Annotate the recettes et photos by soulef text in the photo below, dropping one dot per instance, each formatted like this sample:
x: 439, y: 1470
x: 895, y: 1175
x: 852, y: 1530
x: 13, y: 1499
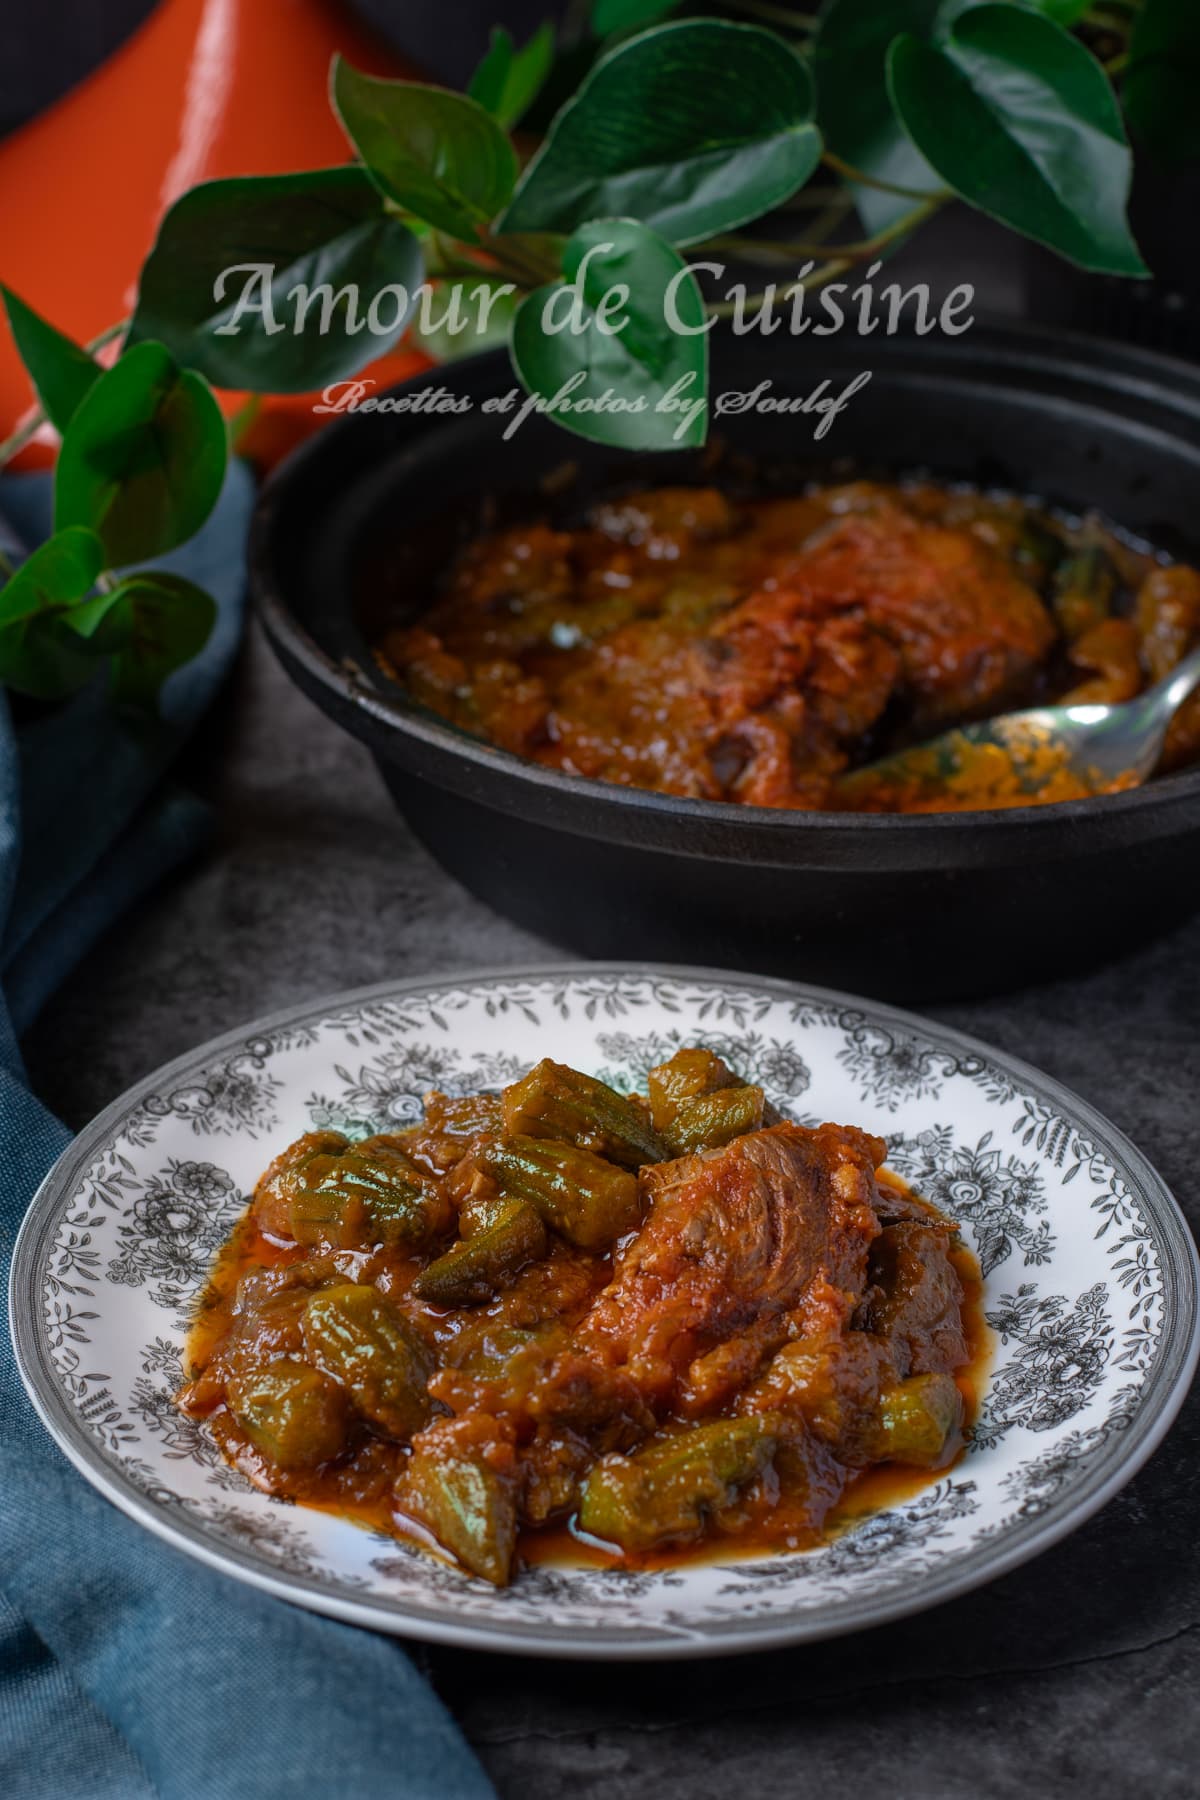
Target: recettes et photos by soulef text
x: 562, y: 1319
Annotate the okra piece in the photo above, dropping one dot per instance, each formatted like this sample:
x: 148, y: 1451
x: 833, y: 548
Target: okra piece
x: 713, y: 1119
x: 665, y: 1493
x: 465, y: 1116
x: 468, y: 1506
x: 1038, y: 550
x: 354, y: 1334
x: 698, y: 1102
x: 554, y: 1101
x: 292, y: 1413
x: 590, y: 1201
x: 492, y: 1351
x: 920, y: 1422
x: 372, y: 1194
x: 1083, y: 591
x: 490, y: 1258
x: 689, y: 1073
x: 275, y: 1192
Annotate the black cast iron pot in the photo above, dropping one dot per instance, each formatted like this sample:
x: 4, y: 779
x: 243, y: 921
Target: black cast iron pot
x: 917, y: 908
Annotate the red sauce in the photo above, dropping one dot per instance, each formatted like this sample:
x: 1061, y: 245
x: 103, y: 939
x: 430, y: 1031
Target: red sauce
x: 765, y: 1530
x: 757, y: 650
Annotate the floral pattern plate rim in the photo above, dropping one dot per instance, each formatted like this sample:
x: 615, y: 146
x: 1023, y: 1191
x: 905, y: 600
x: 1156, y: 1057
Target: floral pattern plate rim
x: 1090, y: 1284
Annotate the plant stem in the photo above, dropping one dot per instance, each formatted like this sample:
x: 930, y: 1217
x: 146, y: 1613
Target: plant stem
x: 862, y: 251
x: 848, y: 172
x: 522, y: 262
x: 820, y: 230
x: 1116, y: 64
x: 107, y: 336
x: 817, y: 196
x: 24, y: 434
x: 725, y: 309
x: 6, y: 567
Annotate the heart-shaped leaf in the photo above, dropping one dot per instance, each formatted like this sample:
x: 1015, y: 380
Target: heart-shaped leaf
x: 325, y: 249
x: 1019, y: 119
x: 58, y: 573
x: 508, y: 80
x: 38, y: 656
x: 151, y: 623
x: 437, y: 154
x: 854, y: 107
x: 143, y: 460
x: 1163, y: 79
x: 60, y: 370
x: 1063, y: 12
x: 641, y: 385
x: 692, y: 128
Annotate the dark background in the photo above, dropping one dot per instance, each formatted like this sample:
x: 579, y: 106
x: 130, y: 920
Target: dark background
x: 49, y: 45
x: 46, y: 46
x: 1077, y: 1675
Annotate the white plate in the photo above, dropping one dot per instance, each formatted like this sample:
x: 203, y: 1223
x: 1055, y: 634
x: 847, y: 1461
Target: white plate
x: 1090, y: 1286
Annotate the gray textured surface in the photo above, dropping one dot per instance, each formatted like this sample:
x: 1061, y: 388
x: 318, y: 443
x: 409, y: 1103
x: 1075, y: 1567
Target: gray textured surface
x: 1075, y: 1675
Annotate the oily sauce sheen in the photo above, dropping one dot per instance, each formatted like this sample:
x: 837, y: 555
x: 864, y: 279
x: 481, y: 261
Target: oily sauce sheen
x: 756, y: 650
x: 560, y: 1321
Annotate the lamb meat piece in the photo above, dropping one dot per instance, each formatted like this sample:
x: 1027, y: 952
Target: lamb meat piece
x: 915, y: 1299
x: 969, y: 632
x: 896, y: 1204
x: 777, y: 1222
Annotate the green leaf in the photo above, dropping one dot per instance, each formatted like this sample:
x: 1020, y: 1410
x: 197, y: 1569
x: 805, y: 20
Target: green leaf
x: 638, y: 364
x: 447, y: 345
x: 151, y: 623
x: 438, y: 154
x: 1020, y: 120
x: 626, y: 15
x: 692, y: 128
x: 1163, y: 79
x: 37, y: 656
x: 143, y: 460
x: 508, y: 80
x: 60, y: 370
x: 854, y: 107
x: 324, y: 232
x: 1063, y: 12
x: 58, y: 573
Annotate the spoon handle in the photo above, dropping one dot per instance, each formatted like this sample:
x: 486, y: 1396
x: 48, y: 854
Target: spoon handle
x: 1174, y: 688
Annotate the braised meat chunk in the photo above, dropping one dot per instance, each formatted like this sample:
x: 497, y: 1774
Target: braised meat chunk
x: 656, y: 1318
x: 760, y: 649
x: 774, y: 1223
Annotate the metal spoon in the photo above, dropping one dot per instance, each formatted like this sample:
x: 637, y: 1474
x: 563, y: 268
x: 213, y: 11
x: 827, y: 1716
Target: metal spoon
x: 1102, y: 748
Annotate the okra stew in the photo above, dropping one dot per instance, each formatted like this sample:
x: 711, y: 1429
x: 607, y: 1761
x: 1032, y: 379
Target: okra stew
x: 758, y: 649
x: 652, y: 1322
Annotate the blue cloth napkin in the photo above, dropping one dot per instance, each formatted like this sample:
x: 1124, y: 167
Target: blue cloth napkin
x: 128, y: 1670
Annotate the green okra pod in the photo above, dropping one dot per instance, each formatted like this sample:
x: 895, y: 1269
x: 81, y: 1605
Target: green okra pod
x: 1083, y: 591
x: 355, y: 1335
x: 469, y: 1506
x: 713, y: 1119
x: 665, y: 1493
x: 554, y: 1101
x: 370, y: 1194
x: 293, y: 1413
x: 587, y: 1199
x: 920, y: 1422
x: 474, y: 1268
